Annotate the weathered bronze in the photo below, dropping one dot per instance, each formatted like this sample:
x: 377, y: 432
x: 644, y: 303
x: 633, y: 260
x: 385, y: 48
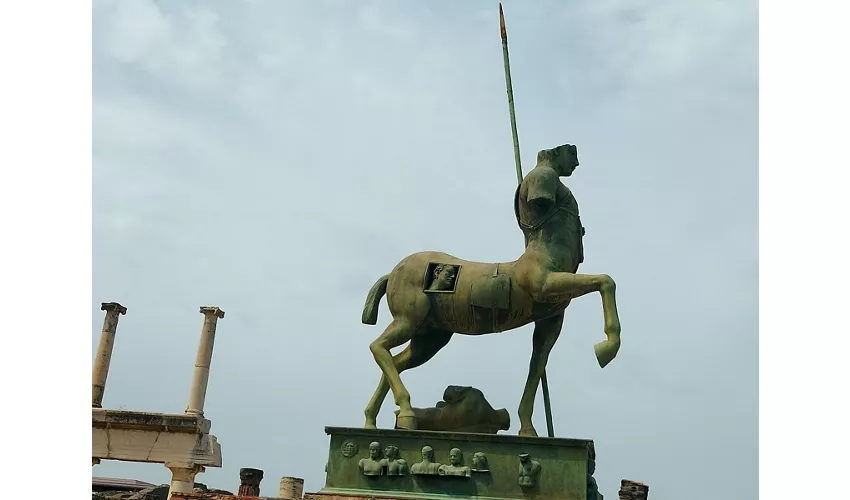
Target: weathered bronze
x: 393, y: 464
x: 349, y: 449
x: 372, y: 466
x: 441, y: 278
x: 427, y: 467
x: 547, y: 405
x: 495, y: 297
x: 528, y: 471
x: 455, y: 466
x: 592, y: 487
x: 463, y: 409
x: 479, y: 462
x: 562, y: 471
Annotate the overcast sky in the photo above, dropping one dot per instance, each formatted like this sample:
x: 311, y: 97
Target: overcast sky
x: 276, y: 158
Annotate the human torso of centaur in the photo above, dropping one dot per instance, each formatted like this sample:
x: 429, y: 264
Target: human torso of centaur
x: 491, y: 297
x: 548, y: 214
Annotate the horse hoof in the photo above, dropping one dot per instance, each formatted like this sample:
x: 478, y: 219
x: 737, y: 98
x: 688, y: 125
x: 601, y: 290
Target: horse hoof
x: 404, y: 421
x: 370, y: 425
x: 528, y: 432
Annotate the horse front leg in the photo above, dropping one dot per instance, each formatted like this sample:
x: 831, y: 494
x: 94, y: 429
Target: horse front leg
x: 546, y: 332
x: 559, y: 286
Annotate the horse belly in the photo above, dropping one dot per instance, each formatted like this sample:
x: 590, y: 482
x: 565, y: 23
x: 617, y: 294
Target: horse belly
x: 455, y: 312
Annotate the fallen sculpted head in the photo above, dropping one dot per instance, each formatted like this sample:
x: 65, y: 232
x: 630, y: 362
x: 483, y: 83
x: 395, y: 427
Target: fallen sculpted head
x: 463, y: 409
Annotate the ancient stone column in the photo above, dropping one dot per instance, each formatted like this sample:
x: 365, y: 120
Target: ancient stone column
x: 104, y: 351
x: 183, y: 477
x: 633, y: 490
x: 249, y: 482
x: 291, y: 488
x: 198, y: 392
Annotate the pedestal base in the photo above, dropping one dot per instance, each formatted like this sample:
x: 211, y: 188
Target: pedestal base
x: 492, y: 466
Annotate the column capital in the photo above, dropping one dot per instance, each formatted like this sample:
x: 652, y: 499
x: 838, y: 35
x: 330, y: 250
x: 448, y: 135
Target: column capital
x: 212, y: 310
x: 249, y: 480
x: 113, y: 306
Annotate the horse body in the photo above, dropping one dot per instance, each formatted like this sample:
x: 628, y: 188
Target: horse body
x: 455, y: 311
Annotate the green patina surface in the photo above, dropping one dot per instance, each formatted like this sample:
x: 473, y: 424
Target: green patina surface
x: 563, y: 465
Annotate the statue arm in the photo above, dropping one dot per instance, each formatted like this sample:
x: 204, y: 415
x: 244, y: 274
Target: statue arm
x: 542, y: 187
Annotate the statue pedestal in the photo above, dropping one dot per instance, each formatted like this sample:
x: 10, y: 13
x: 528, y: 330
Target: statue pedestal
x: 510, y: 467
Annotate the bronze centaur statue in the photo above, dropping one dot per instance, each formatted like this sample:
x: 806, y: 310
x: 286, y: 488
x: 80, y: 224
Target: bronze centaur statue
x: 433, y: 295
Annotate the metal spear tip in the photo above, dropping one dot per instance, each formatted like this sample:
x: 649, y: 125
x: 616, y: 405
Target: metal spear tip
x: 113, y: 306
x: 502, y: 28
x: 502, y: 23
x: 212, y: 310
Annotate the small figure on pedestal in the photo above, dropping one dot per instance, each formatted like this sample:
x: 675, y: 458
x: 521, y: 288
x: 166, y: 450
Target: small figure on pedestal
x: 479, y: 462
x: 456, y: 467
x: 528, y: 470
x: 427, y: 467
x: 395, y: 466
x: 373, y: 465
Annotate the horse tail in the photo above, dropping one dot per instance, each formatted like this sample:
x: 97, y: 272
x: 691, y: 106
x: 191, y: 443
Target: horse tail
x: 370, y: 310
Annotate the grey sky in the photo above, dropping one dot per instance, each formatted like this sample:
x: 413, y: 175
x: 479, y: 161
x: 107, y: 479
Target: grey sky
x: 276, y: 158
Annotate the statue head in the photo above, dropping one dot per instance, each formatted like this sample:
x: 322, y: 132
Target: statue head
x: 374, y: 450
x: 563, y: 159
x: 428, y: 454
x: 349, y: 449
x: 391, y: 452
x: 523, y: 457
x: 456, y: 457
x: 479, y: 461
x: 444, y: 277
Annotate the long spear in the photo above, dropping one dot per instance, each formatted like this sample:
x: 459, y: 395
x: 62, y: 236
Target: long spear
x: 546, y: 403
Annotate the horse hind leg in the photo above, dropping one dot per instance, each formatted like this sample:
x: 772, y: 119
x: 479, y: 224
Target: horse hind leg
x: 400, y: 330
x: 423, y: 346
x: 400, y: 361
